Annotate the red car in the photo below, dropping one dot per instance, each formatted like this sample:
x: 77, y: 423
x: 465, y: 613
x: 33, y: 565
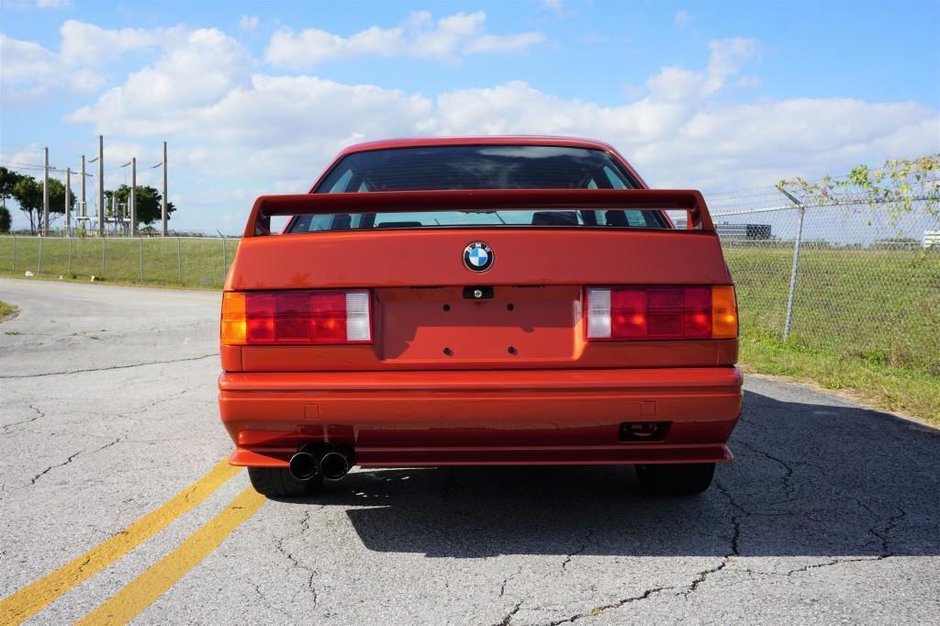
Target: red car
x: 479, y: 301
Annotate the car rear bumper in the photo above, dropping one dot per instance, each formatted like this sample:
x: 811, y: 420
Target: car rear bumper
x: 483, y: 417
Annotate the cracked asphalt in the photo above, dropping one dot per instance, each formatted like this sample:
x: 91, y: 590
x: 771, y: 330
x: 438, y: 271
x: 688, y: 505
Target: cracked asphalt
x: 829, y: 513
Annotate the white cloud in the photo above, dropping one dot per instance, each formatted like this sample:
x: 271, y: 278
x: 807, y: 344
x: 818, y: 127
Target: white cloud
x: 248, y: 22
x: 29, y: 72
x: 85, y: 44
x: 682, y: 18
x: 420, y: 36
x: 233, y: 127
x: 53, y: 4
x: 24, y: 61
x: 161, y: 98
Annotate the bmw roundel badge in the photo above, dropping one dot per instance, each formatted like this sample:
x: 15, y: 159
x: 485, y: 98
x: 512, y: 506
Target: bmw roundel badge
x: 478, y: 257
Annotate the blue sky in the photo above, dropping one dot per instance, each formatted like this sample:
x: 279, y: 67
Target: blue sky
x: 256, y: 97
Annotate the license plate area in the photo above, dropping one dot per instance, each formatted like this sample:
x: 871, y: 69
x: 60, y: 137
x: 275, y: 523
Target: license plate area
x: 510, y: 325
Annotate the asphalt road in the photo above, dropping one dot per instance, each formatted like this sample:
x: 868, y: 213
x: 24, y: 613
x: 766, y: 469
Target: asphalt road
x: 830, y: 512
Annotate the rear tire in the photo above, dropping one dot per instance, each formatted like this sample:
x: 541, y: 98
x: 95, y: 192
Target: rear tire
x: 686, y: 479
x: 276, y: 482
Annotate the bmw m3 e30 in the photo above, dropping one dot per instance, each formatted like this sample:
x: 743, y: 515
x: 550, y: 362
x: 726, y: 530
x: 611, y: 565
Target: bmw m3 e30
x: 479, y: 301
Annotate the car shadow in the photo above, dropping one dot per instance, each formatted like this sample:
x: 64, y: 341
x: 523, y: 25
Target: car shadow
x: 808, y: 480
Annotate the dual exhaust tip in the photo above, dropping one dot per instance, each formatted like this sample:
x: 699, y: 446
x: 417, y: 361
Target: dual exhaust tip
x: 332, y: 463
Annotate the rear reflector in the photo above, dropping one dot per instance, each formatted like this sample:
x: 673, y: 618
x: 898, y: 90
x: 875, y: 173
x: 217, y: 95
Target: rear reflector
x: 295, y: 317
x: 661, y: 313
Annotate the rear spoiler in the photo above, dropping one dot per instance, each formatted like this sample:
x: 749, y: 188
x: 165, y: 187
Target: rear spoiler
x: 688, y: 200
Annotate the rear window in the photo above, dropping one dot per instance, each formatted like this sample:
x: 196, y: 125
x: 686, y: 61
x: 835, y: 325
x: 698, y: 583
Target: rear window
x: 477, y: 167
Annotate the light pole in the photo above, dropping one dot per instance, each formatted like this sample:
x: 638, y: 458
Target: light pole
x: 132, y: 201
x: 163, y: 214
x: 45, y: 192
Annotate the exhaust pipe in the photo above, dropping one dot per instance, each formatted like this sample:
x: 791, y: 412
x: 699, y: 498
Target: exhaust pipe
x: 334, y: 464
x: 303, y: 465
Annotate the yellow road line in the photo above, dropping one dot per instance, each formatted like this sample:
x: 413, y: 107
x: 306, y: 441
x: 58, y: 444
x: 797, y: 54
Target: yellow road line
x: 32, y: 598
x: 153, y: 582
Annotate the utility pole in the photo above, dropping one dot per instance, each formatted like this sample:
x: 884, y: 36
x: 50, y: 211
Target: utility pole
x: 163, y: 204
x: 68, y: 208
x: 101, y: 185
x: 82, y: 208
x: 45, y: 192
x: 133, y: 196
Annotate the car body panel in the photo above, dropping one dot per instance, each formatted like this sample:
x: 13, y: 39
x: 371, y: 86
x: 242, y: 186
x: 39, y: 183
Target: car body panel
x: 499, y: 416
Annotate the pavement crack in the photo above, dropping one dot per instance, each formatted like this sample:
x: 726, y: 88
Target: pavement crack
x: 786, y: 479
x: 113, y: 367
x: 71, y: 458
x: 594, y: 612
x: 507, y: 619
x: 33, y: 407
x: 296, y: 564
x: 725, y: 561
x: 588, y: 540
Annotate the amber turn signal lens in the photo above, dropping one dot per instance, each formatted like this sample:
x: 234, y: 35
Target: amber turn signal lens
x: 234, y: 325
x: 724, y: 313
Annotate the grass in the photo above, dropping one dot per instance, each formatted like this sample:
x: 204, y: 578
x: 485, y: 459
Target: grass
x: 863, y: 320
x: 183, y: 262
x: 893, y: 388
x: 7, y: 310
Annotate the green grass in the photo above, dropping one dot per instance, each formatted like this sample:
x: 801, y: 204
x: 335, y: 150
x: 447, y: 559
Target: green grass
x: 7, y: 310
x: 894, y: 388
x: 184, y: 262
x: 864, y: 320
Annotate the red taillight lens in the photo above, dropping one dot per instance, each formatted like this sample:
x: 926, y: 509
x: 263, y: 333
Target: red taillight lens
x: 296, y: 317
x: 661, y: 313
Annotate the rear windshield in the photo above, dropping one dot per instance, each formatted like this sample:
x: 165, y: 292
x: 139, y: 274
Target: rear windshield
x: 477, y: 167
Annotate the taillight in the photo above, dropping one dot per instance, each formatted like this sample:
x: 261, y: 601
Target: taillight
x: 296, y: 317
x: 661, y: 313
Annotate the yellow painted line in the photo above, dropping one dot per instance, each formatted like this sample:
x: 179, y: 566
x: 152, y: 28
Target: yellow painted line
x: 32, y: 598
x: 123, y: 606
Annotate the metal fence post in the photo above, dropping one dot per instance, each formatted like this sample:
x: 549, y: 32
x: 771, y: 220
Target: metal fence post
x: 39, y: 259
x: 224, y: 261
x: 795, y: 265
x: 13, y: 271
x: 179, y: 259
x: 140, y: 240
x: 104, y: 241
x: 68, y: 265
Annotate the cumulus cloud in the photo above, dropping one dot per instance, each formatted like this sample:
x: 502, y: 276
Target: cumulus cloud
x: 30, y: 72
x: 248, y: 22
x: 420, y: 36
x: 167, y: 96
x: 236, y: 129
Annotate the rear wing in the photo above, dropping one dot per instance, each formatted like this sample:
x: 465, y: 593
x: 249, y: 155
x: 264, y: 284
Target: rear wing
x: 688, y: 200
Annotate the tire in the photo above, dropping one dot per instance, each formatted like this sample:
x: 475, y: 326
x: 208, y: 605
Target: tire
x: 276, y: 482
x: 687, y: 479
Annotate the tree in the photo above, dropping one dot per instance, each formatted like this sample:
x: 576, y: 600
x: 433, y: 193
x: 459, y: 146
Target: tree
x: 28, y: 193
x: 4, y: 220
x: 898, y: 187
x: 147, y: 201
x: 8, y: 178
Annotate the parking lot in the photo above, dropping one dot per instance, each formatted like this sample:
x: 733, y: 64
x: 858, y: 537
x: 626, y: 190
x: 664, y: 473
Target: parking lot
x: 830, y: 511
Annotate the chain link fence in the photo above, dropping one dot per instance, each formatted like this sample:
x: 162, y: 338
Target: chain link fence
x: 178, y: 261
x: 857, y: 279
